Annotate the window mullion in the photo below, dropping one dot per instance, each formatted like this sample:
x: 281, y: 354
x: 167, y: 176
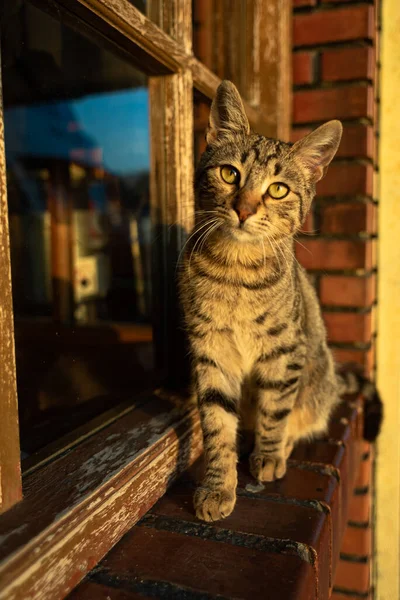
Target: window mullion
x: 172, y: 200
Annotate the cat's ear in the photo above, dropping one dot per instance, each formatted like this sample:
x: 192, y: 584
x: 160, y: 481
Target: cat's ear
x: 316, y: 150
x: 227, y: 113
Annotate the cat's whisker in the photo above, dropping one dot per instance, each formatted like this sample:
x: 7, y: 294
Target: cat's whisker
x: 190, y: 216
x: 196, y: 230
x: 288, y: 249
x: 286, y: 261
x: 291, y: 251
x: 265, y: 256
x: 278, y: 229
x: 210, y: 223
x: 282, y: 242
x: 201, y: 237
x: 303, y: 246
x: 274, y: 251
x: 312, y: 232
x: 210, y: 231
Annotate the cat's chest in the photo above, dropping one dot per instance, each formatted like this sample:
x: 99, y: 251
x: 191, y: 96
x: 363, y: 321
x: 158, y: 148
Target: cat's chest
x: 232, y: 308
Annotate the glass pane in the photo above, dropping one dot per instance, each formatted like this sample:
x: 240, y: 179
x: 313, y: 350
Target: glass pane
x: 77, y: 152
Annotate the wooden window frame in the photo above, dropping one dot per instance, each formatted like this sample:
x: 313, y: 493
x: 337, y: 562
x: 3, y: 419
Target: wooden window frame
x: 84, y: 492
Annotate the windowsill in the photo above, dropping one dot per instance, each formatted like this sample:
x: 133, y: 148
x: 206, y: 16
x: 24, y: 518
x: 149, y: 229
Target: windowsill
x: 77, y: 507
x: 280, y: 542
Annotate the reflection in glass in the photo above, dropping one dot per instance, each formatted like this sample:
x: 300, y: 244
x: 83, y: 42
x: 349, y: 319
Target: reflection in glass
x: 77, y: 152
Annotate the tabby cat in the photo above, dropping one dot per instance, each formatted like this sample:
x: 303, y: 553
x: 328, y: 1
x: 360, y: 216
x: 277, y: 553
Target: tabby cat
x: 258, y: 342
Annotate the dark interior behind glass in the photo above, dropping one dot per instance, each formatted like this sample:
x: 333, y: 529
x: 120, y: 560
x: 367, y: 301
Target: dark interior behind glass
x: 77, y: 151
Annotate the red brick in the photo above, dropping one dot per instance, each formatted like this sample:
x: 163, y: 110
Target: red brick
x: 309, y: 224
x: 347, y: 179
x: 360, y: 508
x: 339, y: 25
x: 357, y: 140
x: 340, y: 290
x: 370, y: 360
x: 364, y: 476
x: 296, y: 523
x: 146, y: 555
x: 303, y: 67
x: 374, y: 251
x: 353, y: 355
x: 348, y: 63
x: 365, y: 358
x: 348, y: 217
x: 373, y: 317
x: 368, y: 450
x: 348, y: 327
x: 298, y: 133
x: 357, y: 541
x: 335, y: 254
x: 336, y: 103
x: 353, y: 576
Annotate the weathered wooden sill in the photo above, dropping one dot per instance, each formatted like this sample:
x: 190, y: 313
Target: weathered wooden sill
x: 78, y: 506
x: 281, y: 543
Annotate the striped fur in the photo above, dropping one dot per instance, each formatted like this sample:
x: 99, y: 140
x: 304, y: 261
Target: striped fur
x: 258, y: 342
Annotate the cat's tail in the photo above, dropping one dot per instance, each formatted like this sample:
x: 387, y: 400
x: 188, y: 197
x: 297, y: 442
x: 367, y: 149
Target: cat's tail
x: 352, y: 381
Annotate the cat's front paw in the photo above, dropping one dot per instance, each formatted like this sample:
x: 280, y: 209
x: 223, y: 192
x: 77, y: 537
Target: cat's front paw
x: 213, y: 505
x: 267, y: 467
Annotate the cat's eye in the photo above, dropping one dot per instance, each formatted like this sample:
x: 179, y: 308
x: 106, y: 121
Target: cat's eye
x: 278, y: 190
x: 230, y: 175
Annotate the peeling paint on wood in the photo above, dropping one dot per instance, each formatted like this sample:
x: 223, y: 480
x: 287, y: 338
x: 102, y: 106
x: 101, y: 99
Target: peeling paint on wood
x: 78, y: 507
x: 62, y: 485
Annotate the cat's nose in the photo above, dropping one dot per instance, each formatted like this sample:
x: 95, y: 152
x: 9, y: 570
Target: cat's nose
x: 246, y: 205
x: 244, y: 212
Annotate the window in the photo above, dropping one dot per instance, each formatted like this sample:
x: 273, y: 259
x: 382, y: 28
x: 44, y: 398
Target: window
x: 103, y: 112
x: 77, y: 157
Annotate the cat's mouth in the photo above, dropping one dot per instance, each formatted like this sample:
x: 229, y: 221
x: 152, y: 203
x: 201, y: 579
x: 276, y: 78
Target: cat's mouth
x: 243, y: 231
x: 240, y: 229
x: 237, y: 221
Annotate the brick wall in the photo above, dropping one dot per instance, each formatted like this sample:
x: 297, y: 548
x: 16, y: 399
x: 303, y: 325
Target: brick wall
x: 334, y: 72
x: 353, y: 574
x: 335, y: 76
